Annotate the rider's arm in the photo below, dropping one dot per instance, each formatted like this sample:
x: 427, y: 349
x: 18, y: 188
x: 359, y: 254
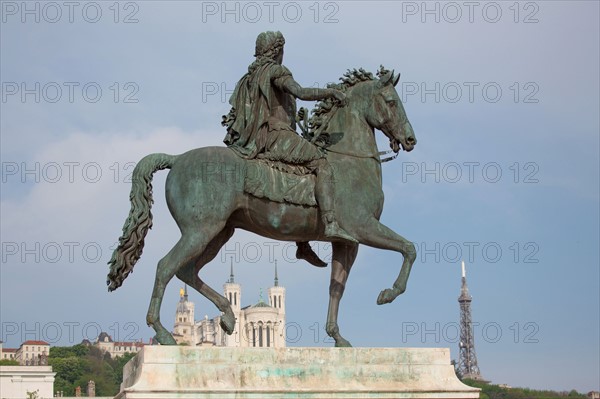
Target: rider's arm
x: 288, y: 84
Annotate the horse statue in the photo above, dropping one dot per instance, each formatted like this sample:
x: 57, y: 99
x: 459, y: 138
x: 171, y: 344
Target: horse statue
x: 209, y: 205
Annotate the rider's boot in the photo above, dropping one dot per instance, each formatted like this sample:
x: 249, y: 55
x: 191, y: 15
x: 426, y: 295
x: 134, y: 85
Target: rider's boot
x: 324, y: 192
x: 333, y: 229
x: 305, y: 252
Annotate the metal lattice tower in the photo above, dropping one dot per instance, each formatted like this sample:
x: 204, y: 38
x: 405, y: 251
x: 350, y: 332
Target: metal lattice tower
x: 467, y: 359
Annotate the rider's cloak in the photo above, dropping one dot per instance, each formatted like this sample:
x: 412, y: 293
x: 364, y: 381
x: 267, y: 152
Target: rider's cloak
x: 251, y: 101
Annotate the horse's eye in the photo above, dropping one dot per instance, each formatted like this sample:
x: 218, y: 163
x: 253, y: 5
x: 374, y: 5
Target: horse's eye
x: 392, y: 102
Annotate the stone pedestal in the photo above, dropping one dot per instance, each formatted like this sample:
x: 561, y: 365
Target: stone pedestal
x: 315, y: 373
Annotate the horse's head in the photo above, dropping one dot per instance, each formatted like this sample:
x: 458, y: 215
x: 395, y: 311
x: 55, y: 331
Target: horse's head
x: 385, y: 112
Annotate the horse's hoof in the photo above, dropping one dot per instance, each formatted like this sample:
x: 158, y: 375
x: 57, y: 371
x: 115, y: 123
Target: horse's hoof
x: 165, y: 339
x: 342, y: 343
x: 386, y: 296
x: 227, y: 323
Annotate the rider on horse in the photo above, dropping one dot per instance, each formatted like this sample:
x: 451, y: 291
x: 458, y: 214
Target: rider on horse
x: 261, y: 124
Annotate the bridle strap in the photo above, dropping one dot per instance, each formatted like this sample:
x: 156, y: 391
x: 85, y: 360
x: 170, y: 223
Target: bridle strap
x: 391, y: 158
x: 379, y: 154
x: 324, y: 126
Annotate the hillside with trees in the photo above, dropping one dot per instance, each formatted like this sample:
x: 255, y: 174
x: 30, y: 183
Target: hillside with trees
x: 491, y: 391
x: 76, y: 365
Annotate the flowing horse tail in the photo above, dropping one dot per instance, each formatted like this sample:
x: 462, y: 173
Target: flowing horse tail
x: 139, y: 221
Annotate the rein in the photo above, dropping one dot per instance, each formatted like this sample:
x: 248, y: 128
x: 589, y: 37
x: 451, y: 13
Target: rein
x: 379, y: 154
x: 391, y: 158
x: 324, y: 126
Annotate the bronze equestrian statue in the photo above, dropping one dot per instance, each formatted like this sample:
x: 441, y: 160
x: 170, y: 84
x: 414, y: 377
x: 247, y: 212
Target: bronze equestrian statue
x: 325, y: 185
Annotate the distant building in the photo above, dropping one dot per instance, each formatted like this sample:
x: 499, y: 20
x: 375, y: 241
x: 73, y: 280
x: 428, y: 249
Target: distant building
x: 259, y: 325
x: 7, y: 353
x: 105, y: 343
x: 30, y: 353
x: 593, y: 395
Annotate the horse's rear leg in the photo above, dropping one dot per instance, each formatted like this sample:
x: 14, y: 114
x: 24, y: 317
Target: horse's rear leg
x: 189, y: 275
x: 377, y: 235
x: 343, y: 258
x: 189, y: 246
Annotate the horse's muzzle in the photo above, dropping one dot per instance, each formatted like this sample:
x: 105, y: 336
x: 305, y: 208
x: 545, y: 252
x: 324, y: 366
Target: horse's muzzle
x: 409, y: 143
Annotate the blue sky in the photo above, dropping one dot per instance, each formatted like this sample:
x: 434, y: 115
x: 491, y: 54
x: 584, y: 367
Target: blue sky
x: 503, y: 98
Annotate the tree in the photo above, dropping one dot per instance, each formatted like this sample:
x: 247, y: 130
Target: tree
x: 75, y: 366
x: 492, y: 391
x: 68, y: 351
x: 68, y: 370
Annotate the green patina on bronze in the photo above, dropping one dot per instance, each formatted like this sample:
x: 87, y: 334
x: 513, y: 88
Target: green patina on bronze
x: 214, y: 190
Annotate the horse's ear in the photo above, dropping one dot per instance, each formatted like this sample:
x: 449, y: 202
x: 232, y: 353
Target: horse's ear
x: 387, y: 78
x: 396, y: 80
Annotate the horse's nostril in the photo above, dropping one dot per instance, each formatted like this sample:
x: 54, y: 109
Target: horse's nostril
x: 410, y: 140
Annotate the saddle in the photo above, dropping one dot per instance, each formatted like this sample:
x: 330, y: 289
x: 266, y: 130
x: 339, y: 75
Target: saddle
x: 280, y: 182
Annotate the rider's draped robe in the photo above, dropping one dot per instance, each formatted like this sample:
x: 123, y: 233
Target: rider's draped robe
x: 265, y: 118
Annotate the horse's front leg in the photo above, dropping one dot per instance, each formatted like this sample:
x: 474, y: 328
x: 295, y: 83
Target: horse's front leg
x: 343, y: 258
x: 377, y: 235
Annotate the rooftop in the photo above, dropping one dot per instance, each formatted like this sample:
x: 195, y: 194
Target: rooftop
x: 133, y: 343
x: 32, y: 342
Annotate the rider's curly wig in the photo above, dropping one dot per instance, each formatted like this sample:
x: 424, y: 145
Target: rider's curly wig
x: 268, y: 46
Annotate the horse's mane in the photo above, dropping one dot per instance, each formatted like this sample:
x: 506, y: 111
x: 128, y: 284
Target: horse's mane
x: 323, y: 108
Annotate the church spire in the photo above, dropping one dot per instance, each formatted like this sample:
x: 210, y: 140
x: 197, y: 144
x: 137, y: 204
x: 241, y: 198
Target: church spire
x: 276, y: 281
x: 231, y: 278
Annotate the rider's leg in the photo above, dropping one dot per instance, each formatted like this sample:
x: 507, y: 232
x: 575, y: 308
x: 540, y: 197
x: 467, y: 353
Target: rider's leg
x: 324, y: 187
x: 287, y: 146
